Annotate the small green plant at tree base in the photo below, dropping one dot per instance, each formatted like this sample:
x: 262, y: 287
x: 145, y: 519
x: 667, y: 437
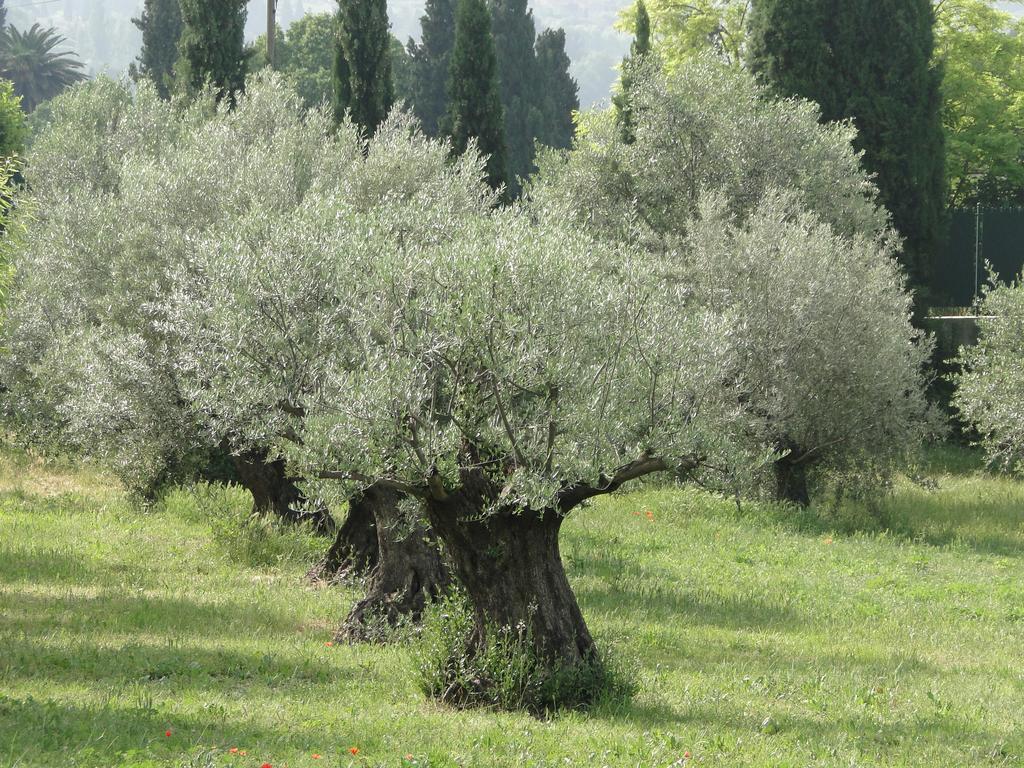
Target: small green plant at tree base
x: 504, y: 671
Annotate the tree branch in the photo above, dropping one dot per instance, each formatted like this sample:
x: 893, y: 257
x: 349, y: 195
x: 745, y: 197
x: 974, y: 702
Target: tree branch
x: 574, y: 495
x: 357, y: 477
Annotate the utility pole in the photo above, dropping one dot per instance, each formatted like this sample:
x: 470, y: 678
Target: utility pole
x: 271, y: 31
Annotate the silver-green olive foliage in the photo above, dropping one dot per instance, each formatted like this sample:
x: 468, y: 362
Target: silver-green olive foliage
x: 80, y: 360
x: 769, y: 220
x: 125, y: 190
x: 990, y: 387
x: 404, y: 328
x: 194, y: 274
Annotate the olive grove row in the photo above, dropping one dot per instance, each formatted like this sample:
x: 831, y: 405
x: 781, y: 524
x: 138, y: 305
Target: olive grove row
x: 359, y: 321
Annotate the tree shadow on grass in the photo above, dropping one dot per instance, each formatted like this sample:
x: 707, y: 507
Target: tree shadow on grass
x: 178, y: 665
x: 814, y: 698
x: 57, y: 733
x: 664, y: 604
x: 621, y: 581
x: 953, y: 459
x: 987, y: 520
x: 34, y: 613
x: 50, y: 565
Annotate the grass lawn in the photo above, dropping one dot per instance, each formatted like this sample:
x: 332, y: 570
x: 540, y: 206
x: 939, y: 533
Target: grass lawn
x: 759, y: 638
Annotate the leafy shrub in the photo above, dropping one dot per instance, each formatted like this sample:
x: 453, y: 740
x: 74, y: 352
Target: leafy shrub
x: 505, y: 672
x: 13, y: 130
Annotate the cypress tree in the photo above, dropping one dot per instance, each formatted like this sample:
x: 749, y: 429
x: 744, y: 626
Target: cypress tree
x: 431, y: 60
x: 558, y: 90
x: 212, y: 46
x: 869, y: 61
x: 515, y: 38
x: 474, y: 100
x: 161, y: 26
x: 342, y: 77
x: 640, y: 47
x: 364, y: 50
x: 3, y: 15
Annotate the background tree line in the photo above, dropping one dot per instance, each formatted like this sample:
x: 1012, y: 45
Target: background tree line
x: 978, y: 44
x: 934, y: 89
x: 351, y: 59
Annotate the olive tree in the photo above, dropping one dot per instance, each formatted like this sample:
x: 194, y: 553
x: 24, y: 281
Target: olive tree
x: 830, y: 370
x: 497, y: 367
x: 278, y: 312
x: 990, y: 385
x: 772, y: 220
x: 122, y: 189
x: 68, y: 273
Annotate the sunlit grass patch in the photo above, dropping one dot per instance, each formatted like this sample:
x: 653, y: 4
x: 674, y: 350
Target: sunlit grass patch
x: 758, y: 639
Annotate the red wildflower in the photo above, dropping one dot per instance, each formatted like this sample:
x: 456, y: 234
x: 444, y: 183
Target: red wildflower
x: 354, y: 750
x: 316, y: 756
x: 233, y: 750
x: 650, y: 515
x: 266, y: 765
x: 686, y: 755
x: 328, y: 643
x: 167, y: 733
x: 243, y: 752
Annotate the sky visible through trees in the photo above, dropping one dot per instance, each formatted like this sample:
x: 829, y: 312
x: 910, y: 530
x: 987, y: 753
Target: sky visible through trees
x: 101, y: 32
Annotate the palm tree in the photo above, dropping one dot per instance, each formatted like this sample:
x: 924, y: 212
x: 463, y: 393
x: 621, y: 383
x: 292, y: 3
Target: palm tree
x: 39, y: 74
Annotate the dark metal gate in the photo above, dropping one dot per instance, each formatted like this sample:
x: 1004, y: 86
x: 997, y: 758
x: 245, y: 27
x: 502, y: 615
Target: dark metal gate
x: 977, y: 237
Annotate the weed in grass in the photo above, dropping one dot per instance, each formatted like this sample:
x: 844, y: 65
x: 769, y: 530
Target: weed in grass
x: 505, y: 671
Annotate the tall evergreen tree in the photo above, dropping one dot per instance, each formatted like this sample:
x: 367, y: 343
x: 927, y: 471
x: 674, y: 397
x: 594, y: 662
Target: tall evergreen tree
x: 558, y: 91
x: 431, y: 60
x: 474, y: 98
x: 3, y: 15
x: 640, y: 47
x: 515, y: 38
x: 364, y: 51
x: 869, y: 61
x: 161, y: 25
x: 342, y: 76
x: 212, y: 46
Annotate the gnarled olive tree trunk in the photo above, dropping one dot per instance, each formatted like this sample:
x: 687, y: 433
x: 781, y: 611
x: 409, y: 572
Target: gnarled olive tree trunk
x: 409, y: 573
x: 791, y: 478
x: 355, y: 549
x: 274, y: 492
x: 511, y: 568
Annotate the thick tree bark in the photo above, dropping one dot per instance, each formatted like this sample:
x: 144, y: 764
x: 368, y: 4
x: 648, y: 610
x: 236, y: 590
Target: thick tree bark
x: 410, y: 572
x: 791, y: 481
x: 274, y: 492
x: 355, y: 550
x: 510, y: 565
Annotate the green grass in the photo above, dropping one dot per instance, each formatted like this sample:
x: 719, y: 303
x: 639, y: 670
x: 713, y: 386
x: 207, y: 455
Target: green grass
x: 760, y: 637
